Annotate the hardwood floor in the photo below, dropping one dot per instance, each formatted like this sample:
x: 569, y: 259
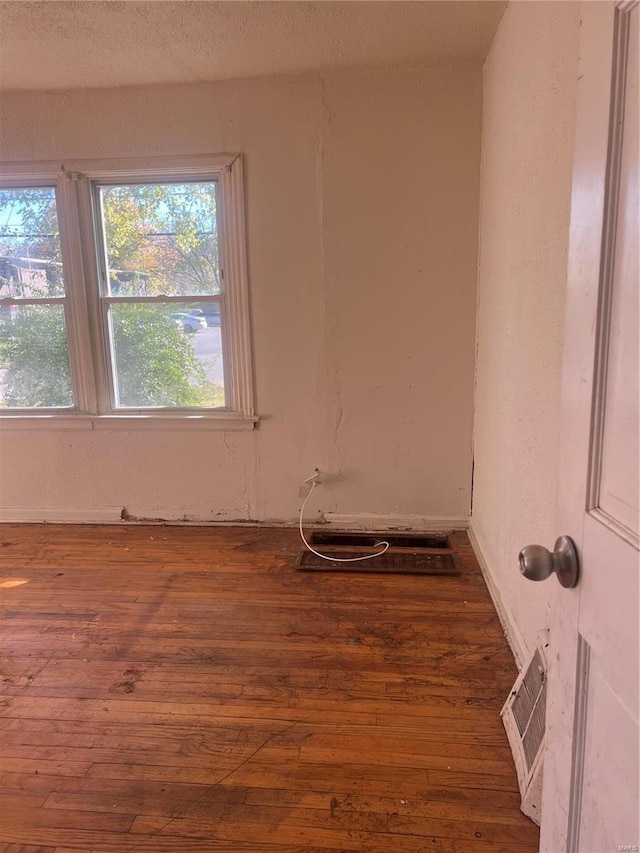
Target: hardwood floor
x: 184, y: 689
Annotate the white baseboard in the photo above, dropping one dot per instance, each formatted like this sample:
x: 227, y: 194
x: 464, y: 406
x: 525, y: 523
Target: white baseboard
x: 51, y: 515
x: 113, y: 515
x: 509, y: 625
x: 104, y: 515
x: 376, y: 521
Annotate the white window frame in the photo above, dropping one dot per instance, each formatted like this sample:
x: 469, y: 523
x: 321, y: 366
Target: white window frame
x: 77, y: 183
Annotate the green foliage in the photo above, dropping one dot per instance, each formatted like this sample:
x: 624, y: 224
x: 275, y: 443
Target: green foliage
x: 34, y: 353
x: 155, y: 363
x: 166, y: 234
x: 30, y: 231
x: 159, y: 239
x: 31, y: 223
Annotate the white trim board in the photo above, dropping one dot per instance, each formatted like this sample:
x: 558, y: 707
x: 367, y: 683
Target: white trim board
x: 52, y: 515
x: 509, y: 624
x: 379, y: 521
x: 155, y: 515
x: 114, y: 515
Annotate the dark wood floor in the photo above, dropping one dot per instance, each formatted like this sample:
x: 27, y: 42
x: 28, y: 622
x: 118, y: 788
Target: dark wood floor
x: 184, y: 689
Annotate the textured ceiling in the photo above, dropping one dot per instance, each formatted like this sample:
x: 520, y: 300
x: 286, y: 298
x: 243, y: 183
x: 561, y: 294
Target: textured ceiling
x: 61, y: 45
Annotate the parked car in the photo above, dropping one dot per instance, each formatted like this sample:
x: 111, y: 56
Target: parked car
x: 211, y: 314
x: 189, y: 322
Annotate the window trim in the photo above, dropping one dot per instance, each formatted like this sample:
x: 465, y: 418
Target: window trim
x: 75, y: 182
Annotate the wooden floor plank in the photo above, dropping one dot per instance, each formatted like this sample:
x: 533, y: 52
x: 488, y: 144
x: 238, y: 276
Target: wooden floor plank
x: 185, y: 689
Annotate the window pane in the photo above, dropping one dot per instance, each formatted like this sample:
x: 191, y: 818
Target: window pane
x: 34, y: 357
x: 161, y: 239
x: 30, y: 259
x: 166, y: 356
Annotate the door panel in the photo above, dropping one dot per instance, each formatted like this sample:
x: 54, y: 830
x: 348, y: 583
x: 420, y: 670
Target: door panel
x: 619, y: 458
x: 608, y: 617
x: 591, y: 792
x: 608, y: 822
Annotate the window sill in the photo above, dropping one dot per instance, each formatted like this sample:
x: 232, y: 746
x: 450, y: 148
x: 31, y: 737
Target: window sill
x: 226, y: 421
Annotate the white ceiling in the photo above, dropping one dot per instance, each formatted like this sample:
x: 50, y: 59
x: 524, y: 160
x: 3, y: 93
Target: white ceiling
x: 88, y: 43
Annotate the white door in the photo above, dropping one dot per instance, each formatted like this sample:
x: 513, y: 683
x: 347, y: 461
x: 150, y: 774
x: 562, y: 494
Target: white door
x: 591, y: 796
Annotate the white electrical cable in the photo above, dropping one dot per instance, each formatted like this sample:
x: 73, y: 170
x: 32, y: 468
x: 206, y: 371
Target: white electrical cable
x: 336, y: 559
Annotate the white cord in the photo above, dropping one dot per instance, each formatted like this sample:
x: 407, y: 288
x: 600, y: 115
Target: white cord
x: 336, y: 559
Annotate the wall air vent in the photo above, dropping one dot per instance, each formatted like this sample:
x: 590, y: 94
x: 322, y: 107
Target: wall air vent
x: 524, y: 716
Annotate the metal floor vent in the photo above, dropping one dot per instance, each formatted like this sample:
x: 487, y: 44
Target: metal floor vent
x: 438, y: 541
x: 408, y: 554
x: 524, y: 716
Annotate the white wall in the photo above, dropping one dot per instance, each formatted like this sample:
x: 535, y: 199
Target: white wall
x: 362, y: 199
x: 527, y: 152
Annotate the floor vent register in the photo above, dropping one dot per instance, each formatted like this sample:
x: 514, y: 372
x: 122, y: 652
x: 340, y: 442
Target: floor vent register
x: 408, y: 554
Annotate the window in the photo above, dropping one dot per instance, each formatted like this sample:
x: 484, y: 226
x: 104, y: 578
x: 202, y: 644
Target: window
x: 123, y: 291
